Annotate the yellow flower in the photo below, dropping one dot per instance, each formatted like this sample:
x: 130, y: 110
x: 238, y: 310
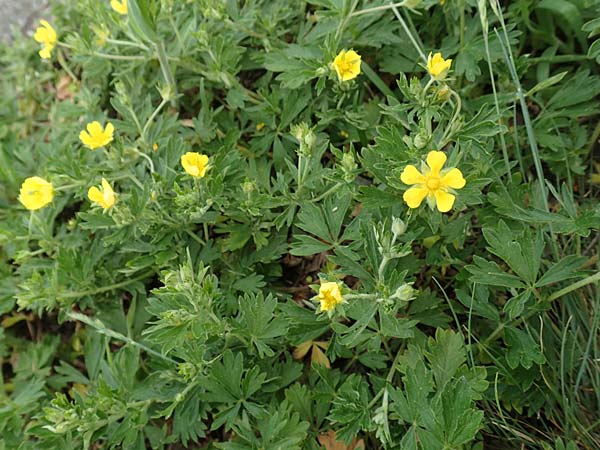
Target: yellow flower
x: 119, y: 6
x: 36, y: 193
x: 96, y: 137
x: 329, y: 295
x: 437, y: 66
x: 195, y: 164
x: 102, y: 35
x: 347, y: 65
x: 45, y: 35
x: 104, y: 197
x: 434, y: 183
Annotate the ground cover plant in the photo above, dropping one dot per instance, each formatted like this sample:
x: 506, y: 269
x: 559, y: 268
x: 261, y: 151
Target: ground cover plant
x: 321, y: 224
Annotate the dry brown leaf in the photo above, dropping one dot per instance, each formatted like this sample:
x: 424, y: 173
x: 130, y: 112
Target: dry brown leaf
x: 301, y: 351
x: 328, y: 441
x: 318, y: 357
x: 63, y: 88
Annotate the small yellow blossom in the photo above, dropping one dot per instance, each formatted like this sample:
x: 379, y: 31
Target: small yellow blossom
x: 102, y: 35
x: 260, y: 126
x: 46, y: 36
x: 119, y: 6
x: 155, y: 146
x: 195, y: 164
x: 36, y: 193
x: 329, y: 295
x: 104, y: 197
x: 437, y: 66
x: 96, y: 137
x: 433, y: 183
x: 347, y: 65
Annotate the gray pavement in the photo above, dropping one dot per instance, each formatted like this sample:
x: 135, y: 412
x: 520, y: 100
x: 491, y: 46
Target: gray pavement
x: 20, y: 14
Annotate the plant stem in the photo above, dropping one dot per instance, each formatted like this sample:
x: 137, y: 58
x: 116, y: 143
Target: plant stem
x: 127, y: 43
x: 106, y: 288
x: 152, y: 117
x: 163, y: 59
x: 409, y: 34
x: 588, y: 280
x: 377, y: 8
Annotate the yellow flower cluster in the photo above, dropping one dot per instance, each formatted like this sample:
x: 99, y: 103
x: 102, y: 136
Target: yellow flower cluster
x: 432, y: 182
x: 104, y: 197
x: 96, y: 136
x: 119, y: 6
x: 36, y: 193
x: 195, y: 164
x: 46, y: 36
x: 330, y: 295
x: 347, y: 65
x: 437, y: 66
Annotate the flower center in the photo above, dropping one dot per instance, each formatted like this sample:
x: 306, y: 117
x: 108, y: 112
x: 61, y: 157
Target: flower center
x: 344, y: 66
x: 433, y: 183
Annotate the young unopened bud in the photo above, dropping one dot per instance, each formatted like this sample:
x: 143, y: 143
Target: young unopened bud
x: 420, y: 141
x: 349, y: 166
x: 248, y: 186
x: 443, y: 94
x: 305, y: 136
x: 398, y: 226
x: 405, y: 292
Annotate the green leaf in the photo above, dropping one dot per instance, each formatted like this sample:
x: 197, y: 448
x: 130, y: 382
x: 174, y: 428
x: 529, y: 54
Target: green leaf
x: 446, y: 354
x: 522, y: 349
x: 489, y: 273
x: 257, y: 323
x: 564, y: 269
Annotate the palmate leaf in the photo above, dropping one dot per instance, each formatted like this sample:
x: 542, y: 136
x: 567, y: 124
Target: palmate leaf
x: 324, y: 223
x: 350, y: 411
x: 276, y: 429
x: 446, y: 354
x: 522, y: 252
x: 257, y: 323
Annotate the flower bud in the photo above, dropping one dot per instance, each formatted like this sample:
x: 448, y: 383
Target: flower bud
x: 443, y: 94
x: 420, y: 141
x: 398, y: 226
x: 405, y: 292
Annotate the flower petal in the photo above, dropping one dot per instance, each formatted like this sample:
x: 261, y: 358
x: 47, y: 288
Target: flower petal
x: 106, y: 187
x: 94, y: 128
x: 414, y: 196
x: 444, y: 200
x: 85, y: 138
x: 410, y: 175
x: 95, y: 195
x: 435, y: 161
x: 45, y: 53
x: 454, y: 179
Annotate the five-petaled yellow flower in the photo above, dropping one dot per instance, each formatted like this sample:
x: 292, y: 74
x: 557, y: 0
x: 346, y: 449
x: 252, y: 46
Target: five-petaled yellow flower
x: 330, y: 295
x: 119, y: 6
x: 195, y: 164
x: 347, y: 65
x: 46, y: 36
x: 104, y: 197
x: 36, y: 193
x: 96, y: 137
x: 433, y: 183
x: 437, y: 66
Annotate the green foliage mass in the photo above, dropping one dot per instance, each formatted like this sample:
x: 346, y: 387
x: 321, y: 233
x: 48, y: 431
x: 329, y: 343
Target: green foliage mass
x: 186, y: 315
